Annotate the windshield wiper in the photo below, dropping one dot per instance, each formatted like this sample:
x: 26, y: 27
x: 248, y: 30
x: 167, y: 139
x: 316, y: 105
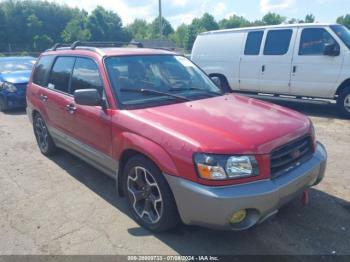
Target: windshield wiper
x: 155, y: 92
x: 196, y: 89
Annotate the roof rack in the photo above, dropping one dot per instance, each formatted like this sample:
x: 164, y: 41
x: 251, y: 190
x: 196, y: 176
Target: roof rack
x: 94, y: 45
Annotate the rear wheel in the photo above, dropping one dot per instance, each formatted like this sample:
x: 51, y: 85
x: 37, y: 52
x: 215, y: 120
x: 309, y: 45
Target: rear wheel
x: 149, y: 197
x: 343, y: 102
x: 43, y: 138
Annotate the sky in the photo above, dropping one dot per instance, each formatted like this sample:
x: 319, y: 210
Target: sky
x: 183, y: 11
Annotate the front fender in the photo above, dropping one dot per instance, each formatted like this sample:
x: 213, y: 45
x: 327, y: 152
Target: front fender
x: 131, y: 141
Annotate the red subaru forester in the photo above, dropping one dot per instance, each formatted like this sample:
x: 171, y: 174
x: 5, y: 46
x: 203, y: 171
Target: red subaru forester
x: 179, y: 148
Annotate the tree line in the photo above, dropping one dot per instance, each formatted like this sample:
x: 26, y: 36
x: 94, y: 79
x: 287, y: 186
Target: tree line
x: 27, y: 26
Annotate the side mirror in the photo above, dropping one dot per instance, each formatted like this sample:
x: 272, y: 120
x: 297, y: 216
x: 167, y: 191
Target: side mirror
x: 331, y: 50
x: 217, y: 81
x: 87, y: 97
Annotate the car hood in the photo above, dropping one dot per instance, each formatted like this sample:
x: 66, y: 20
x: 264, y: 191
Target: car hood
x: 225, y: 124
x: 17, y: 77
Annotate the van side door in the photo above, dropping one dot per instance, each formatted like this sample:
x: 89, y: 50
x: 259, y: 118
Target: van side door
x: 315, y: 73
x: 277, y: 60
x: 250, y: 62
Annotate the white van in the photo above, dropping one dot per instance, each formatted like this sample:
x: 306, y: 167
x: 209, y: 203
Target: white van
x: 301, y: 60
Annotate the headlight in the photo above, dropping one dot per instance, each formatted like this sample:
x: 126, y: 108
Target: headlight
x: 221, y: 167
x: 8, y: 87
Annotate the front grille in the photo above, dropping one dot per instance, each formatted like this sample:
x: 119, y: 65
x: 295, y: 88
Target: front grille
x: 290, y: 155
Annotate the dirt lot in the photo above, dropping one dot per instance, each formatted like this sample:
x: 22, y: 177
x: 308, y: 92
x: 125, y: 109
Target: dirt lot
x: 64, y: 206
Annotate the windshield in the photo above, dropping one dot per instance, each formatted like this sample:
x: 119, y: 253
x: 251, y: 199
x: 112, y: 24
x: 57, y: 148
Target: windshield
x: 153, y: 80
x: 8, y: 65
x: 343, y: 33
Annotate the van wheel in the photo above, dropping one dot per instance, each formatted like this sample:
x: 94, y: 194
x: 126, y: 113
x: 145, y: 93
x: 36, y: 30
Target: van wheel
x: 43, y: 138
x: 343, y: 102
x: 149, y: 197
x: 225, y: 87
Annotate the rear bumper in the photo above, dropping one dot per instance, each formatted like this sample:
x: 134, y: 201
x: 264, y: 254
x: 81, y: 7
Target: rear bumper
x: 213, y: 206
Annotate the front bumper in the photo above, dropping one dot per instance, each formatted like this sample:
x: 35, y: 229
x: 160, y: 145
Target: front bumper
x: 213, y: 206
x: 13, y: 100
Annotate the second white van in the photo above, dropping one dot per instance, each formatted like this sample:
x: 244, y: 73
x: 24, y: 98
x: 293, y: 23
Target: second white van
x: 301, y: 60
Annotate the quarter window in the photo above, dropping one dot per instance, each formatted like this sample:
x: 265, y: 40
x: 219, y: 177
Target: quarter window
x: 253, y: 43
x: 42, y: 69
x: 314, y: 40
x: 60, y: 74
x: 86, y: 76
x: 277, y: 42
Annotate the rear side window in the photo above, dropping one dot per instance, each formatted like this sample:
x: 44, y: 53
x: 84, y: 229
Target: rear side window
x: 60, y: 74
x: 86, y: 76
x: 42, y: 70
x: 252, y: 46
x: 314, y: 40
x: 277, y: 42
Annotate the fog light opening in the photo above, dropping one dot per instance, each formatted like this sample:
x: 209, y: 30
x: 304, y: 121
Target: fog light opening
x: 238, y: 216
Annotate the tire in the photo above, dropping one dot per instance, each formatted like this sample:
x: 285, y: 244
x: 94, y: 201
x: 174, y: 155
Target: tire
x: 225, y: 87
x: 343, y: 102
x: 149, y: 196
x: 43, y: 138
x: 3, y: 105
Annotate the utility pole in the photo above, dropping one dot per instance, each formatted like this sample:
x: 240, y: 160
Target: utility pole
x: 160, y: 20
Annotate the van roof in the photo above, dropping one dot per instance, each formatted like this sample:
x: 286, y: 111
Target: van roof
x: 266, y: 27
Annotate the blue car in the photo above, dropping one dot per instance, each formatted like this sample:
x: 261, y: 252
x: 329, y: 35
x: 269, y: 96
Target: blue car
x: 14, y: 76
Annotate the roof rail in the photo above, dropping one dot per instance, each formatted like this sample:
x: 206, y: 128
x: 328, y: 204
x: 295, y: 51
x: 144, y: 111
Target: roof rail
x: 94, y: 45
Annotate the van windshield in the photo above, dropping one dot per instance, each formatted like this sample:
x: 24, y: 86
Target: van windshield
x: 343, y: 33
x: 153, y: 80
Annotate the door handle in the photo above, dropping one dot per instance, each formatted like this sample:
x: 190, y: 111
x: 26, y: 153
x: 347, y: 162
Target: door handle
x: 71, y: 108
x: 43, y: 98
x: 294, y: 69
x: 263, y: 68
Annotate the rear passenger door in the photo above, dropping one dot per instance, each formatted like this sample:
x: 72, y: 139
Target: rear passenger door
x: 56, y: 95
x: 277, y: 61
x: 250, y: 63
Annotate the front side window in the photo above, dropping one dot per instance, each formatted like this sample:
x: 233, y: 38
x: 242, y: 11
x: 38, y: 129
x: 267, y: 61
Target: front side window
x: 42, y: 70
x: 314, y: 40
x: 252, y: 46
x: 85, y: 76
x: 60, y: 74
x: 145, y: 81
x: 343, y: 33
x: 277, y: 42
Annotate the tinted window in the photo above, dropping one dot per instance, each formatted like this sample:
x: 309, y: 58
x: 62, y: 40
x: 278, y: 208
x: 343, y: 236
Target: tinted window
x: 85, y: 75
x: 314, y: 40
x: 343, y: 33
x: 277, y: 42
x: 252, y: 46
x: 60, y: 74
x: 42, y: 69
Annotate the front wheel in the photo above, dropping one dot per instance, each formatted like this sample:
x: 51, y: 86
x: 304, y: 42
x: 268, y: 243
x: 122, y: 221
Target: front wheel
x: 149, y: 197
x: 344, y: 102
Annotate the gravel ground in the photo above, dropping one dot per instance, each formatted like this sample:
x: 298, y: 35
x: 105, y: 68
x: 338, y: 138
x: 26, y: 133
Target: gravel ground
x: 63, y: 206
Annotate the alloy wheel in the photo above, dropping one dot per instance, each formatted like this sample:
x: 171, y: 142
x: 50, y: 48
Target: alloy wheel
x: 145, y: 195
x: 41, y: 133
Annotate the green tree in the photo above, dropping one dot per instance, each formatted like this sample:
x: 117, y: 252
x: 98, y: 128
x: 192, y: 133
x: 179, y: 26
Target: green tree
x: 344, y: 20
x: 208, y: 22
x: 273, y: 19
x: 309, y: 18
x: 139, y: 29
x: 234, y: 21
x: 166, y: 30
x: 106, y: 26
x: 76, y: 29
x: 179, y: 36
x: 42, y: 42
